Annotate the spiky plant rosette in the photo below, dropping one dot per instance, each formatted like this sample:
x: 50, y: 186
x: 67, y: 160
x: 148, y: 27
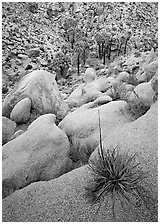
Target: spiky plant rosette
x: 119, y: 176
x: 114, y: 172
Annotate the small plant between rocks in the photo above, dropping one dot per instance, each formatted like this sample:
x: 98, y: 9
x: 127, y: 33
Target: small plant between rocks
x: 137, y: 108
x: 79, y: 155
x: 118, y: 91
x: 117, y: 176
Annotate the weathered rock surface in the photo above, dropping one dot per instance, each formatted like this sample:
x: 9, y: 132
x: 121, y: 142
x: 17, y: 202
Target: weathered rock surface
x: 140, y: 137
x: 21, y: 111
x: 41, y: 88
x: 62, y: 200
x: 82, y: 125
x: 8, y: 128
x: 41, y: 153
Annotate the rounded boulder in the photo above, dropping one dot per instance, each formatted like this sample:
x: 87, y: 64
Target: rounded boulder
x: 21, y: 111
x: 41, y: 88
x: 8, y: 128
x: 41, y: 153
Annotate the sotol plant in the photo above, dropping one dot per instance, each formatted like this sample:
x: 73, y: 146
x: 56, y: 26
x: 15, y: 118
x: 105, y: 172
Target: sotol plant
x: 118, y: 175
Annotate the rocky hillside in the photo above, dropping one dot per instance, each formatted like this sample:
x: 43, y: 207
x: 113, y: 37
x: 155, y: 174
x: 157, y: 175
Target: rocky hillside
x: 79, y: 112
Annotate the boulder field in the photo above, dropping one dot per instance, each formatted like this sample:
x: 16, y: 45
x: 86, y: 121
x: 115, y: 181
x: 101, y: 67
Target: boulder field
x: 64, y: 199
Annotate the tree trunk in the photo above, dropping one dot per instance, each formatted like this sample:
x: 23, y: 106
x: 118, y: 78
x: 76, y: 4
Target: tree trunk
x: 125, y: 47
x: 68, y: 37
x: 104, y: 55
x: 119, y: 49
x: 99, y: 50
x: 61, y: 71
x: 72, y: 44
x: 78, y: 62
x: 103, y: 49
x: 109, y: 49
x: 84, y: 57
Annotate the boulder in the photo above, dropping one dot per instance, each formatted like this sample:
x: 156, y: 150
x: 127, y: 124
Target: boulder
x: 147, y: 72
x: 41, y: 88
x: 144, y: 93
x: 122, y: 77
x: 89, y: 75
x: 21, y: 111
x: 89, y: 92
x: 34, y: 52
x: 63, y: 200
x: 8, y: 128
x: 82, y: 125
x: 132, y: 60
x: 16, y: 134
x: 41, y: 153
x: 139, y: 138
x: 150, y: 57
x: 154, y: 83
x: 102, y: 100
x: 23, y: 57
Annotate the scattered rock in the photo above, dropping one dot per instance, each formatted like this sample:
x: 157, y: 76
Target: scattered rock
x: 8, y: 128
x: 23, y: 56
x: 122, y: 77
x: 28, y: 67
x: 21, y: 111
x: 41, y: 153
x: 102, y: 100
x: 4, y: 89
x: 18, y: 62
x: 42, y: 61
x: 34, y: 52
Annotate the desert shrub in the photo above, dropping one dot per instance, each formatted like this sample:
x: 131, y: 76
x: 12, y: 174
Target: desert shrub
x: 94, y: 63
x: 61, y: 63
x: 118, y: 175
x: 137, y: 108
x: 118, y: 91
x: 33, y: 7
x: 131, y: 79
x: 81, y: 153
